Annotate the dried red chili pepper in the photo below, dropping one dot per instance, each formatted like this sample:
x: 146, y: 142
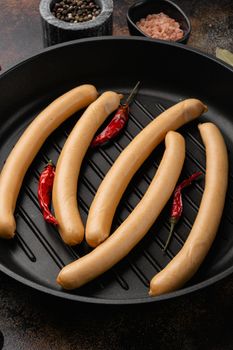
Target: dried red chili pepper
x: 45, y: 187
x: 177, y: 204
x: 117, y: 123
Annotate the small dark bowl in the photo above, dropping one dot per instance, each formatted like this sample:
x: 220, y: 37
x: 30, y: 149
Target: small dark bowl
x: 143, y: 8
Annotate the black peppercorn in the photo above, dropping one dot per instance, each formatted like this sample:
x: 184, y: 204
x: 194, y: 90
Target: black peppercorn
x: 75, y: 11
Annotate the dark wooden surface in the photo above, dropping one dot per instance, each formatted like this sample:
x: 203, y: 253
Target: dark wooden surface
x: 30, y: 320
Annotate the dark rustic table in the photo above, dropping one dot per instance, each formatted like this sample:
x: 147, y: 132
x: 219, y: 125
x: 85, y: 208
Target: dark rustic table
x: 30, y: 320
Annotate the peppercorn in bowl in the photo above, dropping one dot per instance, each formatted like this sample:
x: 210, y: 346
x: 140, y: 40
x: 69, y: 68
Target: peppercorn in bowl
x: 161, y: 19
x: 65, y: 20
x: 75, y: 11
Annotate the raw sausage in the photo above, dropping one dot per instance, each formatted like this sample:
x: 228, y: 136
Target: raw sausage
x: 104, y: 205
x: 184, y: 265
x: 137, y: 224
x: 64, y: 195
x: 28, y: 146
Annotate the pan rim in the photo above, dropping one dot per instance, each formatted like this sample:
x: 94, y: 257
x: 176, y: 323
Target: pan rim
x: 115, y: 38
x: 103, y: 301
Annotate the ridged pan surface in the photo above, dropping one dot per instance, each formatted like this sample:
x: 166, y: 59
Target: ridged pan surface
x: 168, y: 74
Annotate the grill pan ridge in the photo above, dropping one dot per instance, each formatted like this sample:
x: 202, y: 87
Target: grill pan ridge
x: 36, y: 255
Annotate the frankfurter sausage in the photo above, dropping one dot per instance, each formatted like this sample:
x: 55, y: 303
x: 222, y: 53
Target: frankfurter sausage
x: 28, y: 146
x: 184, y: 265
x: 134, y: 228
x: 64, y: 195
x: 107, y: 197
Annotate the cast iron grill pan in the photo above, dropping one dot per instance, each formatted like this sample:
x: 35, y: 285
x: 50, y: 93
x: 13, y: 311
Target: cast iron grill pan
x: 168, y: 73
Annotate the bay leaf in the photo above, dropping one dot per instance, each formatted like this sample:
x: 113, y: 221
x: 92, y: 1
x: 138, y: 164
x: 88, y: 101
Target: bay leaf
x: 224, y: 55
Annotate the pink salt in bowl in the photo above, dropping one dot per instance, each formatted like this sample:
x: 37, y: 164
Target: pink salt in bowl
x: 141, y: 9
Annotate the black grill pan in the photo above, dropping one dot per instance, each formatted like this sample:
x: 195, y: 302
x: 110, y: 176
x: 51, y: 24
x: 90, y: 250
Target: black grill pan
x: 168, y: 73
